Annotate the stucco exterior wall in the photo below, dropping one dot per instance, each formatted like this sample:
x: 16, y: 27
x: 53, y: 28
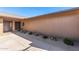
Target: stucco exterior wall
x: 64, y: 26
x: 1, y: 25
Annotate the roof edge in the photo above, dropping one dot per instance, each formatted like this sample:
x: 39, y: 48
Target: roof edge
x: 73, y: 9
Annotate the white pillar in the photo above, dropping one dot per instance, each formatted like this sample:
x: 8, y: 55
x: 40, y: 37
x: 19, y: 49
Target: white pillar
x: 13, y: 29
x: 1, y: 25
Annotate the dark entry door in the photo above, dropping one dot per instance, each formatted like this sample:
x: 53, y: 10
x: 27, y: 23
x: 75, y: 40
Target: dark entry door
x: 18, y: 26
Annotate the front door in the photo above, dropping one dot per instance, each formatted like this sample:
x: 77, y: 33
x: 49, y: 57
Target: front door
x: 18, y: 26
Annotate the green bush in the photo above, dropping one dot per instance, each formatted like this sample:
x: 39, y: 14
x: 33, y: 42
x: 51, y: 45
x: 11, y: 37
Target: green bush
x: 45, y: 37
x: 68, y: 41
x: 30, y: 33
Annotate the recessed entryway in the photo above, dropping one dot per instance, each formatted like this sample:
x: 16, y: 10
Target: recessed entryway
x: 18, y: 26
x: 7, y: 26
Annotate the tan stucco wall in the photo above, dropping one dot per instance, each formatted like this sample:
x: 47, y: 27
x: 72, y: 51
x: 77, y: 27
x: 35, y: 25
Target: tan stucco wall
x: 1, y: 25
x: 26, y: 23
x: 66, y: 26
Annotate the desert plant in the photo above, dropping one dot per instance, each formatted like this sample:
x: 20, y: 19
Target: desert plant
x: 30, y: 33
x: 53, y: 38
x: 45, y: 37
x: 25, y: 32
x: 36, y: 34
x: 68, y: 41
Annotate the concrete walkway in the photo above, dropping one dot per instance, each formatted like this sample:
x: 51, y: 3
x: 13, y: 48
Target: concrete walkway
x: 12, y: 42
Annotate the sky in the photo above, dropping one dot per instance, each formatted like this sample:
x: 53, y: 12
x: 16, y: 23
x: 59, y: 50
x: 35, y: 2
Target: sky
x: 31, y: 11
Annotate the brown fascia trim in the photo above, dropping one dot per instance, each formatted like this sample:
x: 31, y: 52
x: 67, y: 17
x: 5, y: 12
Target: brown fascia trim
x: 58, y: 14
x: 11, y: 17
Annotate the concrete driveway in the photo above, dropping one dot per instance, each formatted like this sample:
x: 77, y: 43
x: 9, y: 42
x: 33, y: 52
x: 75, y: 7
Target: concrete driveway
x: 13, y: 42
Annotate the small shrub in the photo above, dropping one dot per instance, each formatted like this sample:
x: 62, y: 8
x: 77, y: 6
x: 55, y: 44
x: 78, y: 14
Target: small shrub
x: 24, y: 31
x: 30, y: 33
x: 18, y: 29
x: 45, y: 37
x: 68, y: 41
x: 36, y: 34
x: 21, y: 31
x: 53, y: 38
